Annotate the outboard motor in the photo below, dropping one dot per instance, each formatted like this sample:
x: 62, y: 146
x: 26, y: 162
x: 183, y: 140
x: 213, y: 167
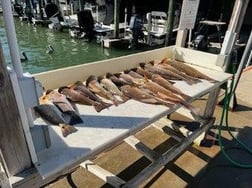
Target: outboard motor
x: 136, y: 25
x: 18, y: 9
x: 86, y: 24
x: 53, y: 14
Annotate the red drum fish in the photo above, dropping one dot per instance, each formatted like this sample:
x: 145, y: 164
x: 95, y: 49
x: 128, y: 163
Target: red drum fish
x: 64, y: 105
x: 180, y: 66
x: 166, y: 84
x: 50, y: 113
x: 168, y: 95
x: 143, y: 72
x: 133, y: 74
x: 117, y: 81
x: 167, y: 74
x: 80, y: 87
x: 130, y: 79
x: 110, y: 86
x: 77, y: 97
x: 143, y: 96
x: 172, y: 69
x: 93, y: 84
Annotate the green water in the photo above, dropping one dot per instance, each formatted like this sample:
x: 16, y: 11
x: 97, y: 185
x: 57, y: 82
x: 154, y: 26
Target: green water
x: 67, y: 51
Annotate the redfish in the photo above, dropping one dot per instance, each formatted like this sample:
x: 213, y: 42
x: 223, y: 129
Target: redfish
x: 166, y: 84
x: 167, y: 74
x: 180, y: 66
x: 77, y: 97
x: 80, y: 87
x: 143, y: 96
x: 93, y: 84
x: 129, y: 78
x: 140, y: 70
x: 110, y: 86
x: 168, y: 95
x: 117, y: 81
x: 133, y: 74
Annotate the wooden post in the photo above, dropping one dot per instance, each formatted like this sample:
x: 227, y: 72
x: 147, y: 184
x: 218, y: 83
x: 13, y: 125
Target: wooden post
x: 116, y: 18
x: 12, y: 140
x: 169, y: 29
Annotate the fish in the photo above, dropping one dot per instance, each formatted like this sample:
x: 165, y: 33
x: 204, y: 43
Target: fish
x: 64, y: 105
x: 133, y: 73
x: 172, y: 69
x: 167, y: 74
x: 77, y: 97
x: 180, y: 66
x: 50, y: 113
x: 140, y: 70
x: 166, y: 84
x: 110, y: 86
x: 130, y: 79
x: 117, y: 81
x: 168, y: 95
x: 79, y: 86
x: 93, y: 84
x: 143, y: 96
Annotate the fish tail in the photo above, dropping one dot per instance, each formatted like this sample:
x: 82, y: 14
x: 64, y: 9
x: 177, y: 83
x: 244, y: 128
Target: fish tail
x: 100, y: 106
x: 124, y: 98
x: 117, y: 102
x: 67, y: 129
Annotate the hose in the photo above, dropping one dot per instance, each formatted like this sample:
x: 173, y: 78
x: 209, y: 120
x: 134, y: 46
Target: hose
x: 225, y: 112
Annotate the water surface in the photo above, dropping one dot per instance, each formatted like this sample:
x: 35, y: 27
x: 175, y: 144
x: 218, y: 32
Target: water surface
x: 67, y: 51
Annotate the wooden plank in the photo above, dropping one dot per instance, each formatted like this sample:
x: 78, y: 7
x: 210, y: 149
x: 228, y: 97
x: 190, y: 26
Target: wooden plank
x: 211, y: 102
x: 32, y: 179
x: 167, y: 157
x: 105, y: 175
x: 12, y: 140
x: 185, y: 132
x: 142, y: 148
x: 167, y: 130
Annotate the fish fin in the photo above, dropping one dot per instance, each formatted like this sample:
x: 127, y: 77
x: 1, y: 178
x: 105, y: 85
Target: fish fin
x: 117, y: 102
x: 100, y: 106
x: 125, y: 98
x: 67, y: 129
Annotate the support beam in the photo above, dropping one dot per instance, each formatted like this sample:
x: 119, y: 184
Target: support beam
x: 142, y: 148
x: 169, y: 29
x: 12, y: 140
x: 105, y: 175
x: 116, y: 18
x: 167, y: 157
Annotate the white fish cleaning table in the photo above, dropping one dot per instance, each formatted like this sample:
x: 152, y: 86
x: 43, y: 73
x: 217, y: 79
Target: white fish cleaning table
x: 103, y: 130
